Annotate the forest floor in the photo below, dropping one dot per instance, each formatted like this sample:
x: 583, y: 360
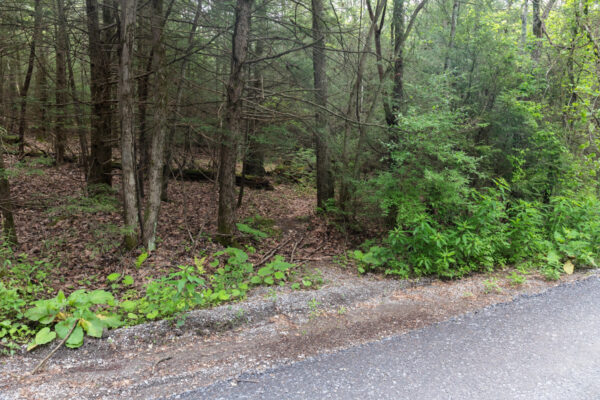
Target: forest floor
x: 82, y: 239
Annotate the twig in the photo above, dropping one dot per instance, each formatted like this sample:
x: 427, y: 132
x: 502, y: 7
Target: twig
x: 159, y: 361
x: 295, y: 246
x: 237, y: 380
x: 272, y: 253
x: 41, y: 364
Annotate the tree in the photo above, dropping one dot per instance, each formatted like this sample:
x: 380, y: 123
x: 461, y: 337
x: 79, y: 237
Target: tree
x: 30, y: 63
x: 231, y: 135
x: 159, y: 128
x: 325, y: 186
x: 126, y: 111
x: 101, y: 120
x: 61, y: 83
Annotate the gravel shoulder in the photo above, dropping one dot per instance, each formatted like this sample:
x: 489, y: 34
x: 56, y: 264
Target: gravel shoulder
x: 272, y: 327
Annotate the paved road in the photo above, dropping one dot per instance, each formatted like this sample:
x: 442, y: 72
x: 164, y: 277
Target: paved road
x: 540, y: 347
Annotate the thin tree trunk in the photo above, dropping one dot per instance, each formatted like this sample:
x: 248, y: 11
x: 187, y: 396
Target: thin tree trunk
x: 28, y: 74
x: 42, y: 95
x: 6, y: 206
x: 537, y: 29
x: 524, y: 12
x: 325, y: 185
x: 231, y: 136
x: 159, y: 128
x: 126, y: 111
x: 453, y: 21
x: 61, y: 84
x: 81, y: 130
x: 178, y: 99
x: 101, y: 152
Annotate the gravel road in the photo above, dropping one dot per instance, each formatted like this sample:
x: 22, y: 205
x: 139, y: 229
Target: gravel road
x: 543, y: 346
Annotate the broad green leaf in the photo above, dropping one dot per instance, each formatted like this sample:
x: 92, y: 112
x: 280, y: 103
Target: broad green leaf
x: 265, y: 271
x: 101, y: 297
x: 127, y: 280
x: 45, y: 335
x: 129, y: 305
x: 93, y: 327
x: 63, y: 327
x: 113, y: 277
x: 76, y: 338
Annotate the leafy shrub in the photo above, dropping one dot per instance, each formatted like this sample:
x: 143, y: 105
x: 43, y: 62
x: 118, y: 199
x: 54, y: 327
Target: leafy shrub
x: 81, y: 313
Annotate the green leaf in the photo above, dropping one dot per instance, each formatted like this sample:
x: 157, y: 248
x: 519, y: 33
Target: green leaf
x: 45, y: 335
x: 269, y: 280
x: 128, y: 280
x: 265, y: 271
x: 101, y: 297
x: 76, y: 338
x: 109, y: 320
x: 256, y: 280
x: 129, y: 305
x: 63, y: 327
x: 113, y: 277
x: 36, y: 313
x: 279, y: 275
x: 93, y: 328
x: 223, y: 295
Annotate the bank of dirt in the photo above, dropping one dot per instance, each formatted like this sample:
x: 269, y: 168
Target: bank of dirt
x: 271, y: 327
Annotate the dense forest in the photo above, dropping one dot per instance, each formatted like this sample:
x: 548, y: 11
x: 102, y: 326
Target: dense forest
x: 165, y: 155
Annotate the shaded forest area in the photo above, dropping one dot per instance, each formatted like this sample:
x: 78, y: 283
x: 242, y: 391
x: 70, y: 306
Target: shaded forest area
x: 165, y: 155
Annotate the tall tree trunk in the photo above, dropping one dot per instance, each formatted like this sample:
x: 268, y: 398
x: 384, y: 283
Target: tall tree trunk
x: 101, y: 151
x: 6, y: 205
x: 178, y: 99
x: 325, y: 184
x: 61, y: 84
x: 81, y: 129
x: 126, y: 112
x: 231, y: 136
x: 537, y: 29
x: 524, y: 12
x: 159, y: 128
x: 41, y: 94
x: 398, y: 38
x: 453, y: 21
x: 25, y: 88
x: 254, y: 158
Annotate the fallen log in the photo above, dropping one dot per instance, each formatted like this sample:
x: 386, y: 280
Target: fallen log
x: 201, y: 174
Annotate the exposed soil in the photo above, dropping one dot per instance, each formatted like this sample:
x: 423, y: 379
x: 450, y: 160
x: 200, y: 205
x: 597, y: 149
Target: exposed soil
x: 155, y: 360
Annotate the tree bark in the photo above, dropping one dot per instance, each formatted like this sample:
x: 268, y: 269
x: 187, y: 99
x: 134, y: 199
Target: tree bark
x: 537, y: 29
x: 25, y: 88
x: 231, y: 136
x: 159, y: 128
x: 453, y: 21
x: 325, y: 184
x: 101, y: 151
x: 6, y: 205
x: 178, y: 99
x: 61, y: 84
x: 524, y: 24
x: 126, y: 112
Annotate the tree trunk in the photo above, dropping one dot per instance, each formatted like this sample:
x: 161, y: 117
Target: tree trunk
x: 61, y: 84
x: 126, y: 112
x: 231, y: 136
x: 537, y: 29
x: 524, y: 12
x: 81, y: 130
x: 25, y: 88
x: 159, y: 128
x: 100, y: 152
x: 398, y: 37
x: 178, y: 99
x: 325, y: 185
x: 453, y: 21
x: 6, y: 206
